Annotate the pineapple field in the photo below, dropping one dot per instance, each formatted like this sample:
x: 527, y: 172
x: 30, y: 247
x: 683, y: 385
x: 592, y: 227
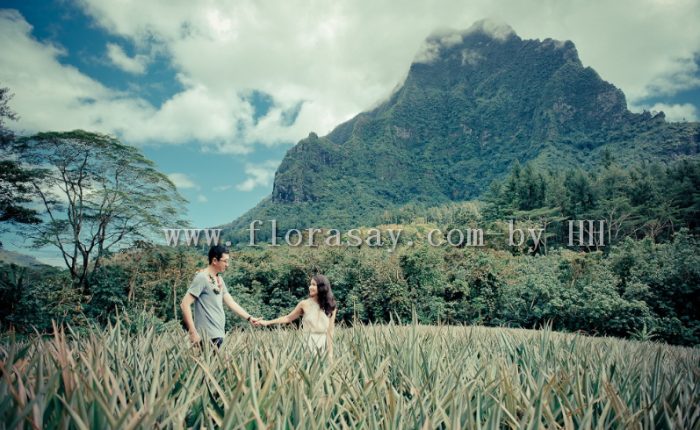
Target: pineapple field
x: 381, y: 376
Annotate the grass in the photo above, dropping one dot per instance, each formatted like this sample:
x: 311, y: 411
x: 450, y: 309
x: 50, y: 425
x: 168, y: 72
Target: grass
x: 385, y: 377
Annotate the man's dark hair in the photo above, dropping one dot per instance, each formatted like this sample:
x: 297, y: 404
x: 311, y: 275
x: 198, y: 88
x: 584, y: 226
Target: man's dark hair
x: 217, y: 251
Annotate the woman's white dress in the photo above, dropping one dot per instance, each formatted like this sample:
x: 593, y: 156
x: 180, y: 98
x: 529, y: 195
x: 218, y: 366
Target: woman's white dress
x: 315, y: 325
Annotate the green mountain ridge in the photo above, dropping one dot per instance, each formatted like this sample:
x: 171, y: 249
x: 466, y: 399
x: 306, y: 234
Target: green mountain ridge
x: 472, y: 104
x: 22, y: 260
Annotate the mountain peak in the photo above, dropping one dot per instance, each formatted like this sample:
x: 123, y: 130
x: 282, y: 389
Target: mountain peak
x: 473, y: 103
x: 538, y: 86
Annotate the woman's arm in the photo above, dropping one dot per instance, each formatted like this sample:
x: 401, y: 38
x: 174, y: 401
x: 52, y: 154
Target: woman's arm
x: 329, y: 334
x: 296, y: 313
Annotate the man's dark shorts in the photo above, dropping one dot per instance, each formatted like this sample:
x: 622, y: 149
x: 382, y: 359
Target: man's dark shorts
x: 217, y: 341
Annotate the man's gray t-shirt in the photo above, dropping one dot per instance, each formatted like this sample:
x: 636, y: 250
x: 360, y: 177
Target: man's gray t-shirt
x: 209, y: 317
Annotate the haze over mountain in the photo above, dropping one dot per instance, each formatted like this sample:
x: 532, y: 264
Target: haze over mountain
x: 473, y: 103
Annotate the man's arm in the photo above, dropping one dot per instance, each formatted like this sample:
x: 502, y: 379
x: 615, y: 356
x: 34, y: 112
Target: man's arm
x: 186, y: 307
x: 235, y: 307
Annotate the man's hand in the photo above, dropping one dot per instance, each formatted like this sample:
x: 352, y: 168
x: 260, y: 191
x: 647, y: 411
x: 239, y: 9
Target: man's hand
x: 255, y: 321
x: 194, y: 337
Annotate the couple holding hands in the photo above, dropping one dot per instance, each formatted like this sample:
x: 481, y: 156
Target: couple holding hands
x: 208, y: 293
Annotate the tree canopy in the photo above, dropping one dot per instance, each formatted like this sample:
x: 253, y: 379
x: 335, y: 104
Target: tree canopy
x: 97, y: 193
x: 14, y: 179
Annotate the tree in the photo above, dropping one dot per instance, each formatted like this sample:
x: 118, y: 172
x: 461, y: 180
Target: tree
x: 15, y: 189
x: 6, y: 134
x: 14, y: 180
x: 580, y: 194
x: 98, y: 194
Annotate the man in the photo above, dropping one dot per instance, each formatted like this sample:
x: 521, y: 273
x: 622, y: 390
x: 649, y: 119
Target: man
x: 208, y: 293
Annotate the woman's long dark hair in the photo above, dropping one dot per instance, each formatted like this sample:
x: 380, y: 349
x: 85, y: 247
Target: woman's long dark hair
x: 324, y: 296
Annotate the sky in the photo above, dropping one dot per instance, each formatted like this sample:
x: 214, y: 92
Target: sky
x: 216, y: 91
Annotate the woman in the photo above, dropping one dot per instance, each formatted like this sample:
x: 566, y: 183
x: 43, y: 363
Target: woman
x: 318, y: 315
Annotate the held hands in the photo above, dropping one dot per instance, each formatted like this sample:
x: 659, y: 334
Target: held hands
x: 259, y: 322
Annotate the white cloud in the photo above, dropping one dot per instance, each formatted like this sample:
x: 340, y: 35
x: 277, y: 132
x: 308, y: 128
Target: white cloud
x: 325, y: 54
x: 46, y: 93
x: 642, y: 47
x: 259, y: 175
x: 677, y: 112
x: 497, y: 30
x: 202, y: 198
x: 684, y: 75
x: 119, y: 58
x: 446, y: 38
x: 428, y: 52
x: 182, y: 181
x: 52, y: 96
x: 471, y: 57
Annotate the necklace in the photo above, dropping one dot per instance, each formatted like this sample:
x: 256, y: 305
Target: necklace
x: 216, y: 284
